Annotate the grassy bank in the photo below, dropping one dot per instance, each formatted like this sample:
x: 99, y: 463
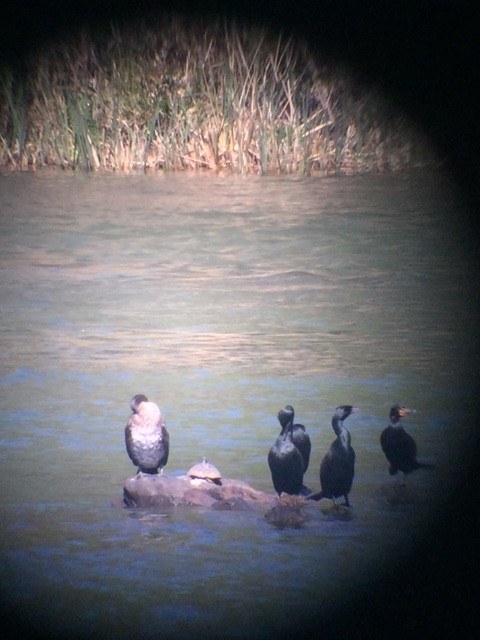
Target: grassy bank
x: 215, y: 97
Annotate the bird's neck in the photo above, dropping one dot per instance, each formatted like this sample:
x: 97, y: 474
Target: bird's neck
x: 342, y: 432
x: 337, y: 424
x: 287, y: 431
x: 284, y: 428
x: 395, y: 423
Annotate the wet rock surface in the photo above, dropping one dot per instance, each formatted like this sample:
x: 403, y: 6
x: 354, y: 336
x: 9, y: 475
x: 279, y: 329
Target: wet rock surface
x: 144, y: 490
x: 286, y: 516
x: 288, y: 512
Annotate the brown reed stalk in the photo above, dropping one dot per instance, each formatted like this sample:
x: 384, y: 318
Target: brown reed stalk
x: 214, y: 96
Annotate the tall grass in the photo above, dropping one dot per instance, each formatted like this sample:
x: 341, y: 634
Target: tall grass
x: 214, y: 96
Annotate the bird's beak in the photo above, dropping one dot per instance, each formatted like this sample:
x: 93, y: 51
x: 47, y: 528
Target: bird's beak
x: 405, y: 411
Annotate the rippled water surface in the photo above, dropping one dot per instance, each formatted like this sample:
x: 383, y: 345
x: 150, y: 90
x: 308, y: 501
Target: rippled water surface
x: 222, y: 300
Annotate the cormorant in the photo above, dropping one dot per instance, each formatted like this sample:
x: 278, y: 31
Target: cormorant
x: 399, y: 447
x: 299, y: 436
x: 146, y: 437
x: 286, y: 463
x: 338, y: 465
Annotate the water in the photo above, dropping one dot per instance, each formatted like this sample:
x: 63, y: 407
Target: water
x: 222, y: 299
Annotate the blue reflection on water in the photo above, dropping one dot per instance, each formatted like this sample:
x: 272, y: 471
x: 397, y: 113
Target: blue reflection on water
x: 222, y: 316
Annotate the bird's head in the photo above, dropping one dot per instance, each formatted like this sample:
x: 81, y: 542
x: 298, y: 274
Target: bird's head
x: 343, y: 411
x: 136, y: 401
x: 398, y: 411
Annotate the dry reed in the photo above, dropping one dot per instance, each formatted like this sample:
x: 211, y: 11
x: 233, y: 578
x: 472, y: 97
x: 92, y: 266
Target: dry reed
x: 213, y: 96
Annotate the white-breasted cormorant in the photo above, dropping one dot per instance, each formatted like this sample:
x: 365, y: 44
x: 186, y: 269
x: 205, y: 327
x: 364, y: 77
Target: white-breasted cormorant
x: 399, y: 447
x: 286, y: 463
x: 338, y: 465
x: 146, y: 437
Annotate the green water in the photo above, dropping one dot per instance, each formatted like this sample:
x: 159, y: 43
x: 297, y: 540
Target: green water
x: 223, y: 300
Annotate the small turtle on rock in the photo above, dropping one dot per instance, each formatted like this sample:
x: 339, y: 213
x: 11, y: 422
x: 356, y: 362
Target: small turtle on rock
x: 205, y: 472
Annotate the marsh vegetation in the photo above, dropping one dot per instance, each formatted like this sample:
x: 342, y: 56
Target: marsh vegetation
x: 213, y: 96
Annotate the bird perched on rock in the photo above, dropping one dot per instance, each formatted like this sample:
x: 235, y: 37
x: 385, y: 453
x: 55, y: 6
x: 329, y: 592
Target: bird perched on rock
x: 338, y: 465
x: 299, y: 435
x: 146, y: 436
x: 286, y: 462
x: 399, y: 447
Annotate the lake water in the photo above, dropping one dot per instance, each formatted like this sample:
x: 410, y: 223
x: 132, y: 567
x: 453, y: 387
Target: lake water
x: 222, y: 299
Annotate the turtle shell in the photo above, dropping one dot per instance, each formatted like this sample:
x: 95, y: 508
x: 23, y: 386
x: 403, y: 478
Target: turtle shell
x: 205, y: 471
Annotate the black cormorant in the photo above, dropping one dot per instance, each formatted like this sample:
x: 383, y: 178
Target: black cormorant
x: 399, y: 447
x: 338, y: 465
x: 299, y: 436
x: 286, y: 463
x: 146, y: 437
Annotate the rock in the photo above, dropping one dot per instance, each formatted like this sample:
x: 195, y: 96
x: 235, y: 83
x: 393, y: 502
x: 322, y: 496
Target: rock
x: 239, y: 489
x: 144, y: 490
x: 286, y: 516
x: 198, y: 498
x: 160, y: 491
x: 337, y: 512
x: 293, y: 500
x: 231, y: 504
